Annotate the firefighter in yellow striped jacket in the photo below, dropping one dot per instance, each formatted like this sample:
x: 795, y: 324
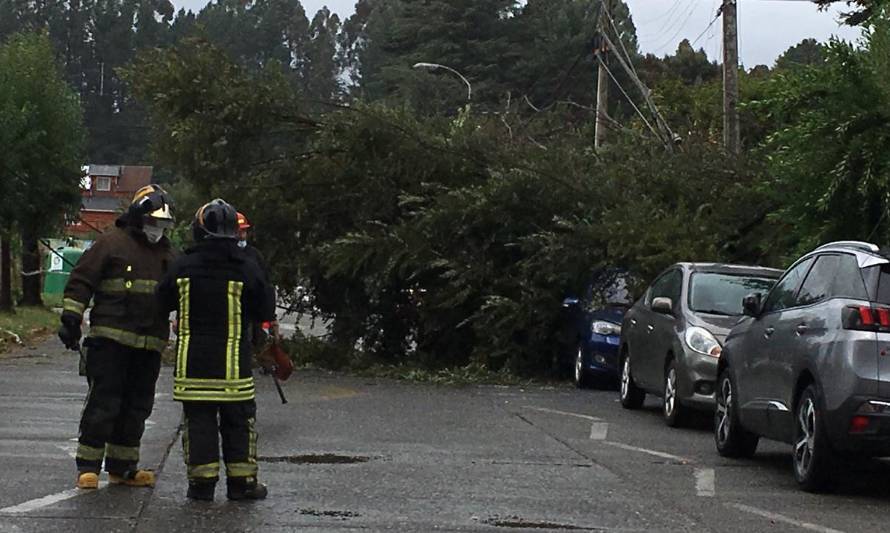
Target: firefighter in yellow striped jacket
x: 128, y: 330
x: 217, y: 290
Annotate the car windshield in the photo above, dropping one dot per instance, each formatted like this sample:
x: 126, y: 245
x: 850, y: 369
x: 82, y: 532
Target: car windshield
x: 721, y: 294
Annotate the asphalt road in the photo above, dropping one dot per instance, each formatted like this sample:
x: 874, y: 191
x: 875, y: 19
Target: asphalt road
x: 364, y: 454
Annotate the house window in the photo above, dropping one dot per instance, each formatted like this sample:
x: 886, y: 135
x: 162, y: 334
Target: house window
x: 103, y: 184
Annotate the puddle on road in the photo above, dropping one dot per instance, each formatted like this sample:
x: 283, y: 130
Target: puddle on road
x: 315, y: 459
x: 515, y: 522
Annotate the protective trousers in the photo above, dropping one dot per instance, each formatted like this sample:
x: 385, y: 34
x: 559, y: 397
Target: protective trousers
x: 120, y: 399
x: 204, y: 422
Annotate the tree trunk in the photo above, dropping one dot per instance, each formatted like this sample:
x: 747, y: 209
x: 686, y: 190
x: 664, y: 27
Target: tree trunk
x: 31, y: 276
x: 5, y: 274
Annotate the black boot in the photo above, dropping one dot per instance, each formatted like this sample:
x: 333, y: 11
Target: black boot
x: 245, y: 488
x: 202, y: 491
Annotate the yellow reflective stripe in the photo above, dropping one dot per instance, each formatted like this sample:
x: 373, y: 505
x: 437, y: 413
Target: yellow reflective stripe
x: 209, y: 470
x: 215, y: 391
x: 127, y: 338
x: 233, y: 342
x: 70, y: 304
x: 214, y: 383
x: 89, y: 453
x: 212, y: 396
x: 241, y: 469
x: 125, y: 453
x: 182, y: 353
x: 139, y: 286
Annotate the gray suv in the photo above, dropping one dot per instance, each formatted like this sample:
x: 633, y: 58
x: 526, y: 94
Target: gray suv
x: 671, y: 338
x: 809, y: 365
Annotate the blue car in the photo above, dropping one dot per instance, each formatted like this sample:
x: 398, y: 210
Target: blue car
x: 594, y: 325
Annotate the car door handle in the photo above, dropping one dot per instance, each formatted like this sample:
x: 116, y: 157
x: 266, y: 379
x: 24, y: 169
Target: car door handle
x: 650, y: 327
x: 768, y: 332
x: 633, y: 321
x: 801, y: 329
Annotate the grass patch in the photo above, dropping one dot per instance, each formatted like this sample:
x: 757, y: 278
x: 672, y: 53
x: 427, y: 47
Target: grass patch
x: 26, y: 325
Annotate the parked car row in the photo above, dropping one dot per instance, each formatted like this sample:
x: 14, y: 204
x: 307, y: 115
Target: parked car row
x: 800, y: 356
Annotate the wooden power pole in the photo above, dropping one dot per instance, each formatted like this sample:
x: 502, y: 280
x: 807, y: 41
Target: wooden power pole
x: 602, y: 83
x: 731, y: 135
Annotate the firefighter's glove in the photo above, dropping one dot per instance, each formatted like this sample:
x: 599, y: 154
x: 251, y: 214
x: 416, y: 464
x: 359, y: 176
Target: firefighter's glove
x: 69, y: 332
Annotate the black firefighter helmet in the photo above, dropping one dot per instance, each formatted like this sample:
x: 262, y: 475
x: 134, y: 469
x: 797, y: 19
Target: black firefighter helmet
x: 216, y: 220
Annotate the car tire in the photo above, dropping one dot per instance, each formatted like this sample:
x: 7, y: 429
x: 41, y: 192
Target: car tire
x: 812, y: 456
x: 632, y: 397
x: 674, y: 412
x: 581, y: 376
x: 731, y: 438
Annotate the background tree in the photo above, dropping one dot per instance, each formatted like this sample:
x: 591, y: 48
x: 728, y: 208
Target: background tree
x: 42, y: 139
x: 806, y: 53
x: 829, y: 151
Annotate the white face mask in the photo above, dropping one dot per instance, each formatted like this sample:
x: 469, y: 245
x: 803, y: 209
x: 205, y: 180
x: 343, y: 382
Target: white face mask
x: 154, y: 234
x: 242, y: 244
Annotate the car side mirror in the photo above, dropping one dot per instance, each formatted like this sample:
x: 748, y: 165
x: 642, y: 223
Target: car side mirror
x: 751, y: 304
x: 663, y: 305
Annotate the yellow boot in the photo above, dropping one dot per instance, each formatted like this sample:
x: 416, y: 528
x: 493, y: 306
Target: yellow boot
x: 88, y: 480
x: 134, y: 478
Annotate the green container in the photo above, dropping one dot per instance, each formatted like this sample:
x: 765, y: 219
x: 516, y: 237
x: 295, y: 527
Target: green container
x: 57, y: 272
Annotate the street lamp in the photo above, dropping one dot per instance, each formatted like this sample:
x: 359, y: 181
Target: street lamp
x: 436, y: 66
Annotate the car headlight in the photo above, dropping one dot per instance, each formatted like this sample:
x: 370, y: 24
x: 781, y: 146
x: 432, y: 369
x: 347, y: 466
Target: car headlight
x: 601, y: 327
x: 702, y: 341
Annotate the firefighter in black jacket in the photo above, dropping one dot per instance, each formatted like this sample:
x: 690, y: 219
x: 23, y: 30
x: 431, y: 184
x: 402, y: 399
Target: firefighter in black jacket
x: 218, y: 290
x: 128, y: 330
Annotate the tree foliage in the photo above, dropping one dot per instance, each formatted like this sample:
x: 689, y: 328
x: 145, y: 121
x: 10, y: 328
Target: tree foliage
x: 444, y: 241
x: 41, y: 137
x: 830, y: 154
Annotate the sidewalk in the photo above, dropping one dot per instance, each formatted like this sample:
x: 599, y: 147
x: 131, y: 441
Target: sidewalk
x: 41, y: 397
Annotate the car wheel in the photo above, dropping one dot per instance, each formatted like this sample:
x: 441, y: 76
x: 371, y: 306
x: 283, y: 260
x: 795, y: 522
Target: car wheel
x: 731, y: 438
x: 632, y: 397
x: 675, y: 413
x: 582, y: 379
x: 813, y: 457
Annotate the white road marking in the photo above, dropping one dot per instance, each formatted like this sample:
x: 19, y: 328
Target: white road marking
x: 784, y: 519
x: 599, y: 430
x: 704, y: 482
x: 45, y: 501
x: 656, y: 453
x: 564, y: 413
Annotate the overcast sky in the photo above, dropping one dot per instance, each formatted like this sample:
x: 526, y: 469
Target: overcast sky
x: 766, y: 27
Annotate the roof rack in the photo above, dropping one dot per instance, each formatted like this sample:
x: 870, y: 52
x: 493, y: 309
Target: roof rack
x: 853, y: 244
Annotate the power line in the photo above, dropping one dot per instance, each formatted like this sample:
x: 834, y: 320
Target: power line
x: 618, y: 37
x: 679, y: 30
x: 711, y: 25
x: 629, y: 100
x: 666, y: 13
x: 669, y: 25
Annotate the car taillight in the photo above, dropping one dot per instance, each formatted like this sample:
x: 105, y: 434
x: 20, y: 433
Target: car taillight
x: 859, y: 423
x: 865, y: 317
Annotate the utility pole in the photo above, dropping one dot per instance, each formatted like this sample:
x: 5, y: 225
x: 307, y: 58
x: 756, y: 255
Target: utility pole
x: 602, y: 81
x: 731, y: 135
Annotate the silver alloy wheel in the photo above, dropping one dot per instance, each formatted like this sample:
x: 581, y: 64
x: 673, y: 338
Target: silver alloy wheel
x: 806, y: 443
x: 724, y: 410
x: 579, y: 365
x: 670, y: 392
x: 625, y: 377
